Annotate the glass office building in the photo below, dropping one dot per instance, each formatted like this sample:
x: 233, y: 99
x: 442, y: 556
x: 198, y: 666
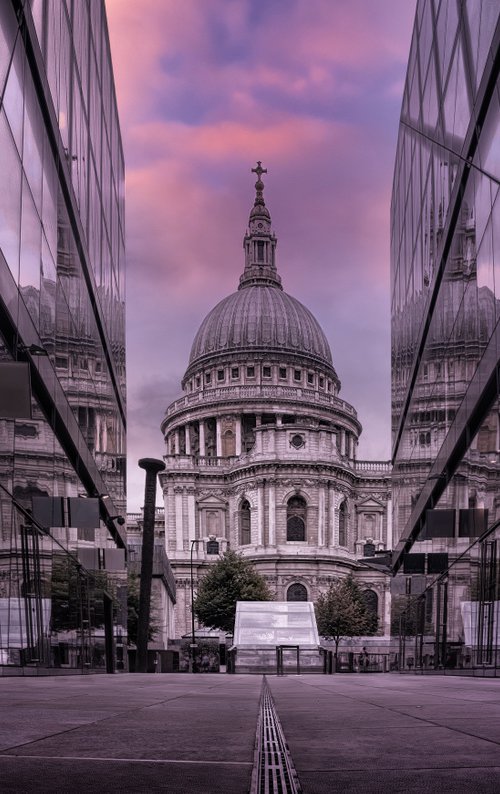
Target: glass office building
x: 62, y: 354
x: 445, y: 276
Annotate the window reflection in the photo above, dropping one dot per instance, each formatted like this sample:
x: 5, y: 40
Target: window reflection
x: 55, y: 609
x: 445, y: 309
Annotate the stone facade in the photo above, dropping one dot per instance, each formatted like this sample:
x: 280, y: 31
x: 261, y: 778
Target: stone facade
x: 261, y: 452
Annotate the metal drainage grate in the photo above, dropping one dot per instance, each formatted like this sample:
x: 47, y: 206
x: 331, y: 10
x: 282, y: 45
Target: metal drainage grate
x: 273, y: 771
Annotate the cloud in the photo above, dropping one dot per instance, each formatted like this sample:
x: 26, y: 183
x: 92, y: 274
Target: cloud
x: 211, y: 58
x: 313, y: 89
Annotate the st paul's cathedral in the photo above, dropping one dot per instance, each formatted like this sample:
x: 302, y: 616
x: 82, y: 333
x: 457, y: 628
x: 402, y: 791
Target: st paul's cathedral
x: 261, y: 451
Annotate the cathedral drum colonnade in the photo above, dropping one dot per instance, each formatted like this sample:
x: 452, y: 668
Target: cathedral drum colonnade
x: 261, y: 450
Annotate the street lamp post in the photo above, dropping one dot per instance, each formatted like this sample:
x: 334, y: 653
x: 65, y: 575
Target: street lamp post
x: 193, y: 639
x: 212, y: 548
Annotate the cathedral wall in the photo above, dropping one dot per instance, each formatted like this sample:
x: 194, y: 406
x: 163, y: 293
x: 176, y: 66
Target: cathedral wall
x: 210, y: 507
x: 209, y: 504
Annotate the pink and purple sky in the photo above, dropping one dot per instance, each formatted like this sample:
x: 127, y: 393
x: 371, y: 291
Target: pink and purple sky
x: 205, y: 88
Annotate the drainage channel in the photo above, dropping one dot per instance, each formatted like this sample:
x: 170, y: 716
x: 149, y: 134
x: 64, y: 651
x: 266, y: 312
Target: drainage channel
x: 273, y: 771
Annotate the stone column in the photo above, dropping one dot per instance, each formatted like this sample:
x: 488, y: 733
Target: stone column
x: 386, y: 608
x: 218, y: 437
x: 191, y: 506
x: 260, y: 513
x: 258, y: 434
x: 179, y: 529
x: 272, y: 513
x: 321, y: 515
x: 152, y: 468
x: 238, y: 435
x: 202, y: 438
x: 187, y: 435
x: 388, y: 539
x: 342, y: 441
x: 176, y: 442
x: 271, y: 439
x: 333, y: 541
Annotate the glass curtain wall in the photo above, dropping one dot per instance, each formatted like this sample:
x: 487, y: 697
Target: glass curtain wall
x: 445, y: 275
x: 62, y: 299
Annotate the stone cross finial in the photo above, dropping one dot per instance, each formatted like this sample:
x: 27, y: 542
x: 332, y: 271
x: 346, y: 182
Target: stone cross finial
x: 259, y: 185
x: 259, y: 170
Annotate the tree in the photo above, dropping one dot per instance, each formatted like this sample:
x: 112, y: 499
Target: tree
x: 133, y: 588
x: 229, y: 580
x: 341, y: 612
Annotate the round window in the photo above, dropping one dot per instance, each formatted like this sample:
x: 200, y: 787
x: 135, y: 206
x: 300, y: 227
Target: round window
x: 297, y: 441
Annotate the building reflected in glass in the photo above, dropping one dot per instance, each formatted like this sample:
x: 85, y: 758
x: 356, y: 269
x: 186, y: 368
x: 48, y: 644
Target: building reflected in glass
x: 445, y: 291
x: 62, y: 353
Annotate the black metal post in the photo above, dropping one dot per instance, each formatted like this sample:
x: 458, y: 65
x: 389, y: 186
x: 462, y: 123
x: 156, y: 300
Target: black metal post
x: 152, y: 467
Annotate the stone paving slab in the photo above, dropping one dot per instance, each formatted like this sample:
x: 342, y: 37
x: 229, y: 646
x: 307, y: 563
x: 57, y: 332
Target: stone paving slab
x: 418, y: 781
x: 100, y: 777
x: 430, y: 752
x: 174, y: 733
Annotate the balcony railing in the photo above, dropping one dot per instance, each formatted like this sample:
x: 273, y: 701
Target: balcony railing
x: 373, y: 465
x: 228, y: 393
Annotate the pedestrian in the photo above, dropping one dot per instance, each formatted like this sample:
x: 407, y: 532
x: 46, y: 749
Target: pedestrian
x: 205, y: 663
x: 363, y: 661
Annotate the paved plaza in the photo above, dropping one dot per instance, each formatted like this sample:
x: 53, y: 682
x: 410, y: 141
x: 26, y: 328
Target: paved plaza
x: 194, y: 734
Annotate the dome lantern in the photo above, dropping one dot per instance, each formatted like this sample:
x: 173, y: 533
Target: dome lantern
x: 259, y: 242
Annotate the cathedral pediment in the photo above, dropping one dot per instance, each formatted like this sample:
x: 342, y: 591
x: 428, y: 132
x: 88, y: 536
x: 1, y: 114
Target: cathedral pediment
x: 211, y: 501
x: 370, y: 503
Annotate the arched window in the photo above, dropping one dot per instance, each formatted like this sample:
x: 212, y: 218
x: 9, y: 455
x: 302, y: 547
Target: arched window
x: 296, y: 592
x: 371, y: 602
x: 296, y: 518
x: 343, y: 524
x: 245, y: 523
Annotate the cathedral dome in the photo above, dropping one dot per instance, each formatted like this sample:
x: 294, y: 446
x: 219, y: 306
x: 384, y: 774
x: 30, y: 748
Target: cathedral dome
x: 260, y: 317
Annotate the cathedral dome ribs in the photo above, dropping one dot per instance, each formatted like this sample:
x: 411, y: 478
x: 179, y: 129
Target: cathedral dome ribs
x: 261, y: 322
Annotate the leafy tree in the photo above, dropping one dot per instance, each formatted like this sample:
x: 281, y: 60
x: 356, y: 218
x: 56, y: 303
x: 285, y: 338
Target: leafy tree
x: 133, y: 593
x: 341, y: 612
x: 229, y: 580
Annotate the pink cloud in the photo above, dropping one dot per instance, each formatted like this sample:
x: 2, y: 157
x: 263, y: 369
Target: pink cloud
x: 311, y: 88
x: 296, y: 48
